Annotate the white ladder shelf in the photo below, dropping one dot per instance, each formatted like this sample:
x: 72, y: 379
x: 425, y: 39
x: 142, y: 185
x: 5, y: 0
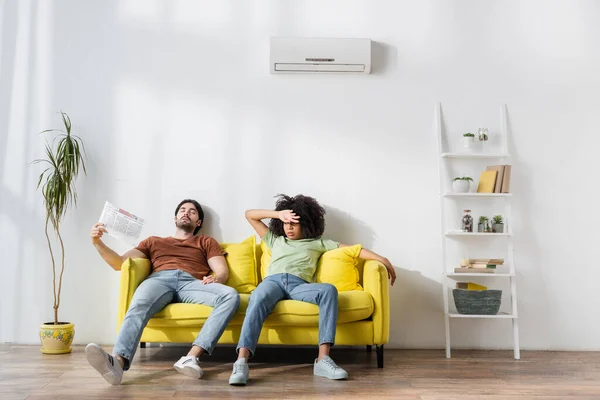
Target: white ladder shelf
x: 447, y: 196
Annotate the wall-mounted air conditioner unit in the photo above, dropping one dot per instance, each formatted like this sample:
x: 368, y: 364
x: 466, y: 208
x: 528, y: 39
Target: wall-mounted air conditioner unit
x: 315, y: 55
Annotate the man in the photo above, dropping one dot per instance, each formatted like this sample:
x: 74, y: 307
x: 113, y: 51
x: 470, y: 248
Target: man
x: 181, y: 272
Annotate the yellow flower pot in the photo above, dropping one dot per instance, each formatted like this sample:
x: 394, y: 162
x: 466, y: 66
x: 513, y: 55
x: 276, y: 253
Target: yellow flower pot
x: 57, y: 338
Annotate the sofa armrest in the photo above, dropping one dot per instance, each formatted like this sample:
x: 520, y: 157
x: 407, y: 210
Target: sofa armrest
x: 133, y: 272
x: 375, y: 282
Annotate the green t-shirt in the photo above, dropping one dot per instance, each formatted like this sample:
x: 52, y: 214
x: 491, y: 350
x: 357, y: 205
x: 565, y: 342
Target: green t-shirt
x: 297, y: 257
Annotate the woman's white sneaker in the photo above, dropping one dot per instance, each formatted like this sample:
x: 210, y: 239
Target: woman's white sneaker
x: 329, y: 369
x: 189, y: 366
x: 240, y: 374
x: 107, y: 365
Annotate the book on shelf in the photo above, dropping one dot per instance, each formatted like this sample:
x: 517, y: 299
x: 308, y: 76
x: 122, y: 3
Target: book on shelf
x: 502, y: 181
x: 499, y: 176
x: 474, y: 270
x: 482, y: 265
x: 487, y: 180
x: 497, y: 261
x: 506, y: 179
x: 470, y: 286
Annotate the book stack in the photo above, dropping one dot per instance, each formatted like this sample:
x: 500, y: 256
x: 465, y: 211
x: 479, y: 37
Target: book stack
x: 470, y: 286
x: 481, y: 265
x: 495, y: 179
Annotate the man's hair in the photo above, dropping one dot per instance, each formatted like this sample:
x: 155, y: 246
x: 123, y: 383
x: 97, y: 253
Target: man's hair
x: 198, y: 208
x: 312, y: 215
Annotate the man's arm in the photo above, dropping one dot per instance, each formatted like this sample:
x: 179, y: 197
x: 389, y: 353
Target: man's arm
x: 219, y: 267
x: 255, y: 218
x: 109, y: 255
x: 370, y: 255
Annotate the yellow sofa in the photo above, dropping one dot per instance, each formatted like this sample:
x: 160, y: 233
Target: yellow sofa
x: 364, y: 315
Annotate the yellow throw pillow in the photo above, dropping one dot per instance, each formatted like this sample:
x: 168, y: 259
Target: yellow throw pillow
x: 241, y: 259
x: 265, y: 259
x: 338, y: 267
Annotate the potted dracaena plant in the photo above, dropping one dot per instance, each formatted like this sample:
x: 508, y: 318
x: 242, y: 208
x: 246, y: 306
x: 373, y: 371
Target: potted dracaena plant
x: 64, y: 160
x: 497, y: 224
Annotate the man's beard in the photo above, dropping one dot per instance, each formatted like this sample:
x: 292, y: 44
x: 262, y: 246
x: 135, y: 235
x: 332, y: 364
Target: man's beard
x: 185, y: 226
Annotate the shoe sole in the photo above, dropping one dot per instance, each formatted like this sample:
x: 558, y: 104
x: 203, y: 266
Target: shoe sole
x: 188, y: 371
x: 95, y: 356
x: 328, y: 377
x: 238, y: 380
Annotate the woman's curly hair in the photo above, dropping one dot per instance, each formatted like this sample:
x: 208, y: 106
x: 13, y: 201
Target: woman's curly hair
x: 311, y: 213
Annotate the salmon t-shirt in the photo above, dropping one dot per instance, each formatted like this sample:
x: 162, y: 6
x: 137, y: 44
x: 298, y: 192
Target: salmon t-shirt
x: 190, y: 255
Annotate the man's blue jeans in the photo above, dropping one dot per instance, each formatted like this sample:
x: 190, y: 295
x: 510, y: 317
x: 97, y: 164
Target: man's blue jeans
x: 285, y: 286
x: 164, y: 287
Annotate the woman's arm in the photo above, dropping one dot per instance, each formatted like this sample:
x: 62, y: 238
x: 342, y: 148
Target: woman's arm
x: 255, y: 218
x: 370, y: 255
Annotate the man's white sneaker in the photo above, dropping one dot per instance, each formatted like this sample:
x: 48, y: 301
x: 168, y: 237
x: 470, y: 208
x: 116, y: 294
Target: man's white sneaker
x: 189, y: 366
x: 107, y: 365
x: 240, y: 373
x: 329, y: 369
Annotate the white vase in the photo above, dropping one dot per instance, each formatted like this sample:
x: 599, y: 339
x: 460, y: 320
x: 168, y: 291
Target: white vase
x: 461, y: 186
x: 469, y: 143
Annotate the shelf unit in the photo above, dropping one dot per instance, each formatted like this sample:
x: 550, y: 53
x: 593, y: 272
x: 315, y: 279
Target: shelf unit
x: 450, y: 233
x: 482, y: 274
x: 499, y: 315
x: 475, y: 155
x: 477, y: 194
x: 479, y: 234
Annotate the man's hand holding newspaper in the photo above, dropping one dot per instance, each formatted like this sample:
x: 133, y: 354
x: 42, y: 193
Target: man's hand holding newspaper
x: 121, y: 224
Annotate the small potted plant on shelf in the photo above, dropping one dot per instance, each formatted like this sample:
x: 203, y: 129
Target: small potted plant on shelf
x: 488, y: 228
x: 469, y: 141
x: 497, y: 224
x: 483, y: 223
x: 461, y: 184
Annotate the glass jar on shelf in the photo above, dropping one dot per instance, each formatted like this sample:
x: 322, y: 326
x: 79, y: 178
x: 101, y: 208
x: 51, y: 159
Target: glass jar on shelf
x: 467, y: 221
x: 483, y: 136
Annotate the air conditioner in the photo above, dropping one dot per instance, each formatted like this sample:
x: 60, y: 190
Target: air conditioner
x: 316, y: 55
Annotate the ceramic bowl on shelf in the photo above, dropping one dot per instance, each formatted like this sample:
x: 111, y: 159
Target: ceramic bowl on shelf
x: 461, y: 186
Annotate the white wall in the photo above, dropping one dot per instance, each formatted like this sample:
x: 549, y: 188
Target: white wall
x: 174, y: 99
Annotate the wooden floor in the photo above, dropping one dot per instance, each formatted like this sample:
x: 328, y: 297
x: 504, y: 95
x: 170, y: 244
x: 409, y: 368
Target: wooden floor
x: 285, y: 373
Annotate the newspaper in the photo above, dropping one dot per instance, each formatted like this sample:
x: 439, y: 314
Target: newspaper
x: 121, y: 224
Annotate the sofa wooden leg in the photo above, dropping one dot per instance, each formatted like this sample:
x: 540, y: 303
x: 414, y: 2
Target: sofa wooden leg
x: 142, y: 345
x: 380, y: 356
x: 369, y: 348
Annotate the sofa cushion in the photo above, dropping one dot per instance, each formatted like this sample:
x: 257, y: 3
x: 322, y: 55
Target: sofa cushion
x: 338, y: 267
x: 265, y: 259
x: 241, y: 259
x: 353, y: 305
